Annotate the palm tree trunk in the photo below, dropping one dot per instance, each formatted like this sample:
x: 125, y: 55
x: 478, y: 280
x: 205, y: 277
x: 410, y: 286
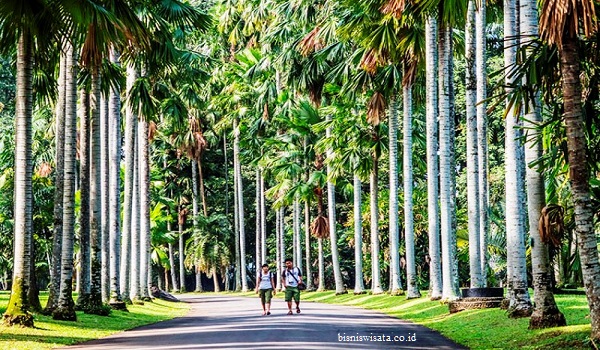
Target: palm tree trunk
x: 297, y: 237
x: 16, y: 312
x: 144, y: 198
x: 308, y: 277
x: 58, y: 187
x: 477, y: 280
x: 278, y: 257
x: 395, y: 284
x: 114, y: 192
x: 172, y: 270
x: 321, y: 267
x: 215, y: 280
x: 263, y: 220
x: 359, y: 285
x: 447, y: 163
x: 198, y: 274
x: 433, y: 212
x: 84, y: 211
x: 95, y: 196
x: 236, y: 216
x: 126, y: 249
x: 546, y: 313
x: 482, y: 141
x: 409, y: 225
x: 240, y: 203
x: 181, y: 253
x: 65, y: 309
x: 335, y: 260
x: 520, y: 302
x: 134, y: 277
x: 375, y: 274
x: 579, y: 178
x: 104, y: 196
x: 257, y: 231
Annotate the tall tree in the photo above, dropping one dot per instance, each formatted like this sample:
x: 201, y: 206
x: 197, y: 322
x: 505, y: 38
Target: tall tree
x: 561, y: 23
x: 472, y: 151
x: 431, y: 110
x: 520, y: 302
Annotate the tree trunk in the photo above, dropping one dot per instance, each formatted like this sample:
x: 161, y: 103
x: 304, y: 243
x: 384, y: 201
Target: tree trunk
x: 308, y: 277
x: 96, y: 299
x: 321, y: 267
x: 447, y: 167
x: 65, y: 309
x: 198, y: 274
x: 477, y: 280
x: 409, y: 225
x: 144, y: 198
x: 433, y: 212
x: 257, y: 231
x: 335, y: 260
x: 172, y: 270
x: 359, y: 285
x: 395, y: 284
x: 134, y: 277
x: 545, y: 313
x: 298, y: 237
x: 520, y: 303
x: 58, y: 187
x: 263, y: 220
x: 579, y: 178
x: 126, y: 248
x: 375, y: 273
x: 181, y: 251
x: 236, y: 216
x: 240, y: 191
x: 83, y: 298
x: 114, y: 205
x: 482, y: 141
x: 104, y: 196
x: 16, y: 312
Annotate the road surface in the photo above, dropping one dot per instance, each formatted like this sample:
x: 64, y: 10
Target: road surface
x: 228, y: 322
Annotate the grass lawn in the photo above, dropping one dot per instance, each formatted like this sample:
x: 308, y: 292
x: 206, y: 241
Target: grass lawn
x: 476, y: 329
x: 49, y: 333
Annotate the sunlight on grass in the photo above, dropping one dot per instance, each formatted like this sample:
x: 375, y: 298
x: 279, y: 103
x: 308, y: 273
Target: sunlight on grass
x: 49, y: 333
x: 477, y: 329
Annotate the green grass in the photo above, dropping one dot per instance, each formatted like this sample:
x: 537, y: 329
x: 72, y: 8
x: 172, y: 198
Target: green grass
x: 476, y: 329
x: 49, y: 333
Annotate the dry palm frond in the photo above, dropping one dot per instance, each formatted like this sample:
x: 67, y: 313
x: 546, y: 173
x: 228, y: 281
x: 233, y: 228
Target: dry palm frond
x: 376, y: 109
x: 551, y: 225
x: 182, y: 217
x: 311, y: 42
x: 393, y: 7
x: 265, y: 115
x: 410, y: 72
x: 320, y: 227
x: 319, y: 162
x: 370, y: 61
x: 566, y: 19
x: 152, y: 131
x: 44, y: 170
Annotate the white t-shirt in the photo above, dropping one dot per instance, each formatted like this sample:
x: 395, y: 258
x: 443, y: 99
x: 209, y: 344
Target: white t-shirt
x: 265, y: 280
x: 289, y: 276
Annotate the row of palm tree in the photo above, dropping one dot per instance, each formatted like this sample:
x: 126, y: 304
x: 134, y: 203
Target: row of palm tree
x: 304, y: 88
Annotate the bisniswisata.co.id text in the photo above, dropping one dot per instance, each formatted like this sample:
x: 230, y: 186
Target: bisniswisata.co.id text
x: 343, y: 337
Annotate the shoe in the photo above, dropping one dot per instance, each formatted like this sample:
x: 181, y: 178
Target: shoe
x: 297, y: 309
x: 290, y: 312
x: 268, y: 313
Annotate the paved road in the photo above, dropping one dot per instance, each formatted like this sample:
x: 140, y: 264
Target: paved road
x: 225, y: 322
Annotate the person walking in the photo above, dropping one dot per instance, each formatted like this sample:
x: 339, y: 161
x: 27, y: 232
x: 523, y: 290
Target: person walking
x: 265, y: 287
x: 292, y: 277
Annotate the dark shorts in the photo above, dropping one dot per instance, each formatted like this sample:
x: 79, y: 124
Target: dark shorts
x: 266, y: 295
x: 292, y: 293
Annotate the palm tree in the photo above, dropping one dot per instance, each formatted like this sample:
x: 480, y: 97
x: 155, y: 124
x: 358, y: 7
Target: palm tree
x: 54, y: 286
x: 395, y: 286
x: 114, y: 224
x: 560, y: 24
x: 431, y: 60
x: 545, y: 313
x: 447, y: 160
x: 482, y: 140
x: 472, y: 148
x: 65, y: 308
x: 520, y: 303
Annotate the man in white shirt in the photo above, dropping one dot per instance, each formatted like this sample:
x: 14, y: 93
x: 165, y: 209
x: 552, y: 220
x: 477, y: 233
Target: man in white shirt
x: 292, y: 276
